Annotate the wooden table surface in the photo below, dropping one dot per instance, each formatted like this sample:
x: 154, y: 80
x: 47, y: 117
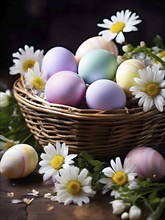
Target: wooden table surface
x: 98, y: 209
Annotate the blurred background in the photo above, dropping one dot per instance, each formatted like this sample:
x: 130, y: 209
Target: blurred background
x: 48, y: 23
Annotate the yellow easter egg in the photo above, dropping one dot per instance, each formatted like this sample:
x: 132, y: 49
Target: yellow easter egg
x: 18, y: 161
x: 97, y: 42
x: 126, y: 72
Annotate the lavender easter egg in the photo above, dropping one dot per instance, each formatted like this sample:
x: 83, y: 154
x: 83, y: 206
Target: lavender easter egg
x: 97, y: 64
x: 65, y: 88
x: 149, y: 163
x: 58, y: 59
x: 126, y: 72
x: 18, y: 161
x: 105, y: 94
x: 97, y: 42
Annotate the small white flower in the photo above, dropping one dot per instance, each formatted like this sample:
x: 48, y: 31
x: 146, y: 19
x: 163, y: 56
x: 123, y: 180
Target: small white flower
x: 54, y: 159
x: 150, y: 88
x: 118, y: 206
x: 135, y: 213
x: 25, y: 59
x: 33, y: 192
x: 5, y: 98
x: 34, y: 78
x: 74, y: 186
x: 119, y: 176
x: 125, y: 215
x: 124, y: 21
x: 6, y: 143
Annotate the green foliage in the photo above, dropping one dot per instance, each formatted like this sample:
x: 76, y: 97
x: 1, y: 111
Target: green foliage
x: 13, y: 125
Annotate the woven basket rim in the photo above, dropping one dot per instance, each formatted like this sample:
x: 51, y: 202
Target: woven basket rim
x: 36, y: 102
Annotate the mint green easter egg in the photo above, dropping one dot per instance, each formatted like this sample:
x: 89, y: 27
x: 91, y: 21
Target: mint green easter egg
x: 97, y: 64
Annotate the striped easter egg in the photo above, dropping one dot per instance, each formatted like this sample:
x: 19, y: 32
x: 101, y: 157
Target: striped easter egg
x: 126, y: 72
x: 97, y: 42
x: 148, y: 161
x: 18, y: 161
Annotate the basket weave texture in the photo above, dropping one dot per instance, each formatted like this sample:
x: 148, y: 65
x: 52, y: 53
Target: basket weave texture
x: 101, y: 133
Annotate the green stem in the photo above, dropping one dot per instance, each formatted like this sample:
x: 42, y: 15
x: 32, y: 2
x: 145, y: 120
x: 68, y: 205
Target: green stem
x: 148, y: 51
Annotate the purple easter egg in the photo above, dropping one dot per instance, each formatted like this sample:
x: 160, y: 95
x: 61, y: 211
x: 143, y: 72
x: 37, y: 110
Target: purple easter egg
x: 66, y: 88
x: 105, y: 94
x: 58, y: 59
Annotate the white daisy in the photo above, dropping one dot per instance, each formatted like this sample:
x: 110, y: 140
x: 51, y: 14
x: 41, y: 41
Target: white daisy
x: 124, y: 21
x: 34, y: 78
x: 74, y: 186
x: 6, y: 143
x: 118, y: 176
x: 150, y: 88
x: 5, y: 98
x: 25, y: 59
x: 54, y: 159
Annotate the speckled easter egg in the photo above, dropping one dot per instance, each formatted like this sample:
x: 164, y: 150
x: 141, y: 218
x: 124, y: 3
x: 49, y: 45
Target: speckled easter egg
x: 18, y: 161
x: 105, y: 94
x: 65, y: 88
x: 97, y: 64
x: 149, y: 162
x: 58, y: 59
x: 126, y: 72
x: 97, y: 42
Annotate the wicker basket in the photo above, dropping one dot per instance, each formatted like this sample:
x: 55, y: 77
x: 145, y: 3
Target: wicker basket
x: 103, y: 134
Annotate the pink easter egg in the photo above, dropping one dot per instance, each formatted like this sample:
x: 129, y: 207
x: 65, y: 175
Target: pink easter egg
x: 149, y: 162
x: 65, y: 87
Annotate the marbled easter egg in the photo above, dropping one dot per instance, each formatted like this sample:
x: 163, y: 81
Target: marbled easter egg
x: 58, y: 59
x: 97, y: 64
x: 149, y: 162
x: 19, y: 161
x: 97, y: 42
x: 126, y: 72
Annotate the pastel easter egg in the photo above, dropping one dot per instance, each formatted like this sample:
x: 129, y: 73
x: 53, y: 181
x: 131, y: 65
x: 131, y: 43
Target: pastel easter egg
x: 149, y: 163
x: 58, y: 59
x: 97, y: 42
x: 105, y: 94
x: 18, y: 161
x: 65, y: 88
x: 97, y: 64
x: 126, y: 72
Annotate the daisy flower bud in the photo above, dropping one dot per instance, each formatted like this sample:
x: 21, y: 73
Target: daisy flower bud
x: 118, y: 206
x: 135, y: 213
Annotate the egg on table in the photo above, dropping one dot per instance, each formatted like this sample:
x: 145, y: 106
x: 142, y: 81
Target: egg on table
x: 58, y: 59
x: 65, y: 88
x: 18, y: 161
x: 97, y: 64
x: 126, y: 72
x: 96, y: 42
x: 105, y: 94
x: 149, y: 162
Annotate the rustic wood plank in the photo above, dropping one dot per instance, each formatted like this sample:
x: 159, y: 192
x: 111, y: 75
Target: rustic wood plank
x: 98, y: 209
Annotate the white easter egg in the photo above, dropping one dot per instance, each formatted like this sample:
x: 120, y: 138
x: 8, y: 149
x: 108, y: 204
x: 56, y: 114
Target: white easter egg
x: 19, y: 161
x: 149, y: 163
x: 97, y: 42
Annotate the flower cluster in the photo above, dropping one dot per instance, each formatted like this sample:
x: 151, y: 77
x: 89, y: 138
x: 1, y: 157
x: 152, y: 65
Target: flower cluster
x: 75, y: 184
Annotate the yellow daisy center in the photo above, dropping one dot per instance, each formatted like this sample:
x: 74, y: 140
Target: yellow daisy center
x: 162, y: 54
x: 38, y: 83
x: 120, y: 178
x: 28, y: 64
x: 57, y: 162
x: 152, y: 89
x: 73, y: 187
x: 118, y: 27
x: 8, y: 144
